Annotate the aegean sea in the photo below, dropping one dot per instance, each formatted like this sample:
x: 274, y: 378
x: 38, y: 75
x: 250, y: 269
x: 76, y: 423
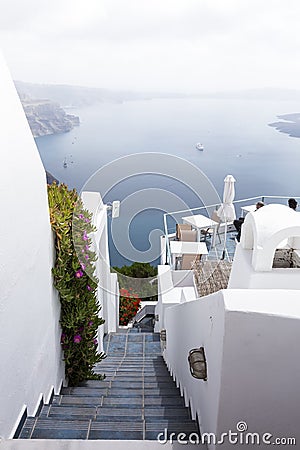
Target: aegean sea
x: 236, y: 135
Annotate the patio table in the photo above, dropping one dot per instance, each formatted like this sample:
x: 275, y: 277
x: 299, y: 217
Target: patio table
x: 201, y: 222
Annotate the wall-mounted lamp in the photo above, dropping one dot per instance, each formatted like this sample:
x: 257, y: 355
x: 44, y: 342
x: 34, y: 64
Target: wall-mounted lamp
x: 163, y: 335
x: 114, y: 207
x: 197, y: 362
x: 163, y: 339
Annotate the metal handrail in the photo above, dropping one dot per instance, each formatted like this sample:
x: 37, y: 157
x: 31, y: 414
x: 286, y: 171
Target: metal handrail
x: 199, y: 208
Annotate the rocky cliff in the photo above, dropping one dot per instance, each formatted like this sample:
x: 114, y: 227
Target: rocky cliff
x: 47, y: 117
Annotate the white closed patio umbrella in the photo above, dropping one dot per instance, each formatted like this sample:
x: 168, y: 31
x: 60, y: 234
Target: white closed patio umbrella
x: 226, y: 212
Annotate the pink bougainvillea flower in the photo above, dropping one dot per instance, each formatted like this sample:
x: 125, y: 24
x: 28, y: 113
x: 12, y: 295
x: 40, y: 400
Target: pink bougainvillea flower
x: 63, y: 337
x: 95, y: 341
x: 77, y: 339
x: 86, y: 257
x: 89, y: 289
x: 85, y: 236
x: 82, y: 266
x: 87, y: 220
x: 87, y: 248
x: 79, y: 274
x: 81, y: 216
x: 90, y: 323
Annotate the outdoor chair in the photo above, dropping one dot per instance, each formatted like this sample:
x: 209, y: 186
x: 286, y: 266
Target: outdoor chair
x: 188, y: 235
x: 182, y: 227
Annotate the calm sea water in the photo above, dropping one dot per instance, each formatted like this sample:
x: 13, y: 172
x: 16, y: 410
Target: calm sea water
x: 235, y: 134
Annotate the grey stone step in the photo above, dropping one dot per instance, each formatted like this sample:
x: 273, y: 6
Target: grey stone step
x: 27, y: 428
x: 156, y: 378
x: 116, y: 392
x: 127, y: 379
x: 70, y: 412
x: 128, y: 402
x: 127, y: 384
x: 85, y: 391
x: 164, y: 411
x: 117, y: 430
x: 120, y: 391
x: 81, y: 401
x: 121, y: 413
x: 95, y: 384
x: 164, y: 401
x: 137, y: 400
x: 161, y: 392
x: 59, y: 429
x: 159, y: 384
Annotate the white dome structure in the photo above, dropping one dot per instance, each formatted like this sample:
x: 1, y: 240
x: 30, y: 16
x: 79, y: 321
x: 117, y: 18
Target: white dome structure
x: 266, y: 233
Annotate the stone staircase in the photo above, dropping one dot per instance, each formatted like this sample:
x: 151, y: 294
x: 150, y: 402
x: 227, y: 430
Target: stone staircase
x: 137, y: 400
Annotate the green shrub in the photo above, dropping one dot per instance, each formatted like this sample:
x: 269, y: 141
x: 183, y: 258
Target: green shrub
x: 129, y: 306
x: 75, y: 281
x: 141, y: 278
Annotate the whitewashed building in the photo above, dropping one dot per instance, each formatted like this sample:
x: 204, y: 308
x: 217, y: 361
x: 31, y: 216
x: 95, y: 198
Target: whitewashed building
x: 249, y: 333
x: 31, y: 359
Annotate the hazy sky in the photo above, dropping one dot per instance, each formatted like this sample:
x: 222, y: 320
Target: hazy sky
x: 166, y: 45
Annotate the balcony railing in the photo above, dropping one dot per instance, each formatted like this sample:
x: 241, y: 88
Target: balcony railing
x: 225, y: 249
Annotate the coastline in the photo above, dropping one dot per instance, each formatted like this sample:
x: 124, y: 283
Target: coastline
x: 46, y: 117
x: 290, y: 124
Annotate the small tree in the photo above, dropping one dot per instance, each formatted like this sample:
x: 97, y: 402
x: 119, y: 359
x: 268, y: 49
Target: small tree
x: 141, y: 278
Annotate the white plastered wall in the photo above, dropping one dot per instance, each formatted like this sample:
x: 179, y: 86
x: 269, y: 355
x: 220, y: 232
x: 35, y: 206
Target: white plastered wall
x: 31, y: 359
x: 108, y: 286
x: 251, y: 340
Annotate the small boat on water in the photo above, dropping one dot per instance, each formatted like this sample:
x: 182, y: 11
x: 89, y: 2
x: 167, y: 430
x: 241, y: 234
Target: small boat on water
x: 200, y: 147
x: 65, y: 163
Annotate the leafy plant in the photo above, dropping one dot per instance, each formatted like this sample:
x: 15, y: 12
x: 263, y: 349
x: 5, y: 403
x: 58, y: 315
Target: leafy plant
x: 129, y: 306
x: 75, y: 281
x: 140, y: 277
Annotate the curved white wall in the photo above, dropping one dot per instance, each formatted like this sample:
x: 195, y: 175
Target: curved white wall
x: 271, y: 227
x: 30, y: 351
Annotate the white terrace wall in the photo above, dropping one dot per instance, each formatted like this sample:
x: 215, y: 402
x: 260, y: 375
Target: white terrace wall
x: 174, y: 286
x: 30, y: 354
x: 108, y: 290
x: 251, y: 340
